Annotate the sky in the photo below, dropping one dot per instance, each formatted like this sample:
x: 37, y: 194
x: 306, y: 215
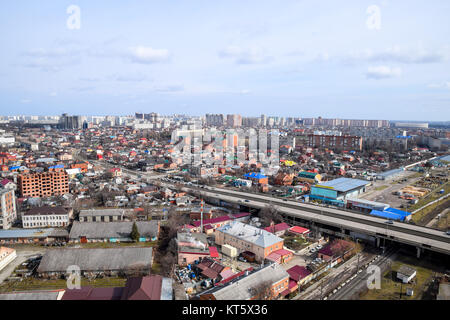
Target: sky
x: 377, y: 59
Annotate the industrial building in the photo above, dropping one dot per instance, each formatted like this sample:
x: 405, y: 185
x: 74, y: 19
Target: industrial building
x: 389, y: 174
x: 111, y: 261
x: 338, y: 190
x: 35, y: 236
x: 113, y: 231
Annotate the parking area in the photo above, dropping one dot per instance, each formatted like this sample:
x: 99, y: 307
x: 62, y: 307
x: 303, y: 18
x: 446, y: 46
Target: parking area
x: 383, y: 190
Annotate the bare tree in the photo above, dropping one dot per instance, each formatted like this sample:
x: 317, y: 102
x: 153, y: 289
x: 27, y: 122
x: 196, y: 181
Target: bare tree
x: 269, y: 214
x: 262, y: 291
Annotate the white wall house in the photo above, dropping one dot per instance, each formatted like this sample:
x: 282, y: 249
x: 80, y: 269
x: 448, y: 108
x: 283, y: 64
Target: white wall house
x: 46, y: 217
x: 7, y: 255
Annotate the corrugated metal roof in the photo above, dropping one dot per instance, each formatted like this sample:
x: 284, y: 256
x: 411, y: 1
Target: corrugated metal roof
x: 344, y: 184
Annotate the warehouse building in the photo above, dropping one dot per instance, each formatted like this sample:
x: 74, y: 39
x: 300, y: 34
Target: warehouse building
x: 113, y: 231
x: 338, y: 190
x: 110, y: 262
x: 35, y: 236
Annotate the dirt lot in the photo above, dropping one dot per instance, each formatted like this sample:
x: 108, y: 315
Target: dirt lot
x: 382, y: 190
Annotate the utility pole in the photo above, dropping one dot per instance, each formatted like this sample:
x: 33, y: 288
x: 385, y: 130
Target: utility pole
x: 401, y: 289
x: 201, y: 216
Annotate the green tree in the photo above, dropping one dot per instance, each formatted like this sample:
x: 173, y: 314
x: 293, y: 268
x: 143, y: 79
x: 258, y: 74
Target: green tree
x: 135, y: 233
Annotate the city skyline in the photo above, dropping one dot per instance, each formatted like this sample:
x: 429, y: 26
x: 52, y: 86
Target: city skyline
x: 298, y: 59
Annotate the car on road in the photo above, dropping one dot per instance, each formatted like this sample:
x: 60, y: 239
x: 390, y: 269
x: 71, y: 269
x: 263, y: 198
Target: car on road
x: 312, y: 250
x: 448, y: 232
x: 247, y: 200
x: 389, y: 222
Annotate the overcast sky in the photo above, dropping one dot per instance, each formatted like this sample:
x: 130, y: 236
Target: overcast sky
x: 378, y: 59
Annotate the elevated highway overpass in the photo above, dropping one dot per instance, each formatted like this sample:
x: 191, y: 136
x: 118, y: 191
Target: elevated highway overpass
x: 421, y: 237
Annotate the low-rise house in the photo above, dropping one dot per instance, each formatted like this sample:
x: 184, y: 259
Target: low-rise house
x: 336, y: 251
x: 406, y: 274
x: 113, y: 231
x: 301, y: 275
x: 278, y: 229
x: 47, y: 216
x: 92, y: 262
x: 191, y: 247
x: 261, y: 284
x: 297, y: 230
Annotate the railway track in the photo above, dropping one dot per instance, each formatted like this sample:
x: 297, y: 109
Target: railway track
x: 359, y: 282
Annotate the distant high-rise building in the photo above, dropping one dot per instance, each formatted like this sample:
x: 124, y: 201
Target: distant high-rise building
x: 71, y: 122
x: 215, y: 120
x: 263, y: 120
x: 234, y: 120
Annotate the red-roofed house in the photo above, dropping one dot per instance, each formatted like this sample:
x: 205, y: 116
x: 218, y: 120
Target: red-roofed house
x: 337, y: 250
x: 278, y: 229
x: 299, y: 274
x: 280, y: 256
x: 296, y: 230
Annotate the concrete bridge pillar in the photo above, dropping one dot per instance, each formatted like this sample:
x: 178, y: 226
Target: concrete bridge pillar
x: 419, y: 250
x: 378, y: 242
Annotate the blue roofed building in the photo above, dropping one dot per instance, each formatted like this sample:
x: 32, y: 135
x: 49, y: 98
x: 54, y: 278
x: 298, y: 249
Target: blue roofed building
x: 338, y: 190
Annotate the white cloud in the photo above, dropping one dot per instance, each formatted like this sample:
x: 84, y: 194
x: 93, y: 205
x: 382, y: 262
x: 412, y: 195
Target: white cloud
x: 445, y: 84
x: 51, y: 60
x: 147, y: 55
x: 245, y: 56
x: 396, y: 55
x: 25, y: 101
x: 383, y: 72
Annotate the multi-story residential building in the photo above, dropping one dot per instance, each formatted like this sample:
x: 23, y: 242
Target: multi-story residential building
x: 335, y: 142
x: 8, y: 212
x: 43, y: 184
x: 215, y: 120
x: 234, y: 120
x: 245, y: 237
x: 47, y: 217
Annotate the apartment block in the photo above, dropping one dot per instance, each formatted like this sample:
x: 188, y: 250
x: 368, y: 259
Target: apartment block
x: 8, y: 212
x: 335, y: 142
x: 43, y: 184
